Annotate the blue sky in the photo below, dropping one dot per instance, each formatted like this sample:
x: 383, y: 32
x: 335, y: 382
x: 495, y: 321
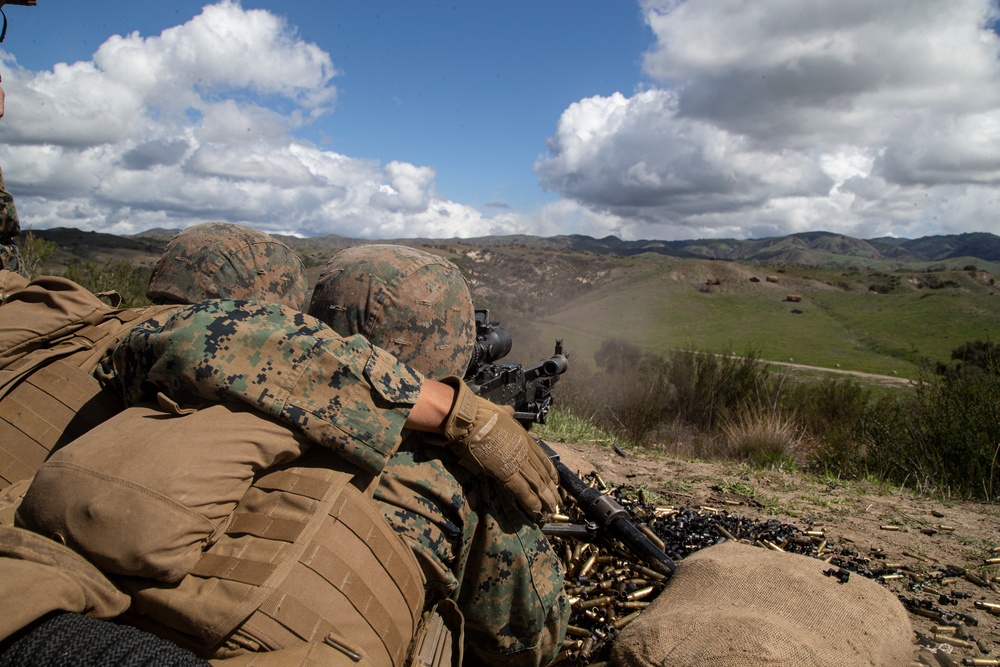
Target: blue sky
x: 650, y: 119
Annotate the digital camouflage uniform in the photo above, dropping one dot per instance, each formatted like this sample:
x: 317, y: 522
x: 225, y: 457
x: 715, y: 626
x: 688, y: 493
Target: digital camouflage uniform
x: 343, y: 393
x: 10, y: 228
x: 474, y: 543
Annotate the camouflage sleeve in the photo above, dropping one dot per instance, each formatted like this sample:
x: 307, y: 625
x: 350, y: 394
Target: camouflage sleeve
x: 10, y: 258
x: 343, y: 393
x: 10, y: 226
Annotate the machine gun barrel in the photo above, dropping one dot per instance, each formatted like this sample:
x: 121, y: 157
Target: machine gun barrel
x: 609, y: 515
x: 529, y: 391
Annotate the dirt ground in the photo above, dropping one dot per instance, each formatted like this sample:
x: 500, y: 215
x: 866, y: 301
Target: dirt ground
x: 925, y: 536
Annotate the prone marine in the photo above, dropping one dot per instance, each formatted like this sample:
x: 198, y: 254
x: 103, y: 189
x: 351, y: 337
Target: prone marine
x: 278, y: 487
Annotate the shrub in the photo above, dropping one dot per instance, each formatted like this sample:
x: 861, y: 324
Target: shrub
x: 35, y: 252
x: 944, y: 435
x: 831, y: 413
x: 761, y: 437
x: 114, y: 275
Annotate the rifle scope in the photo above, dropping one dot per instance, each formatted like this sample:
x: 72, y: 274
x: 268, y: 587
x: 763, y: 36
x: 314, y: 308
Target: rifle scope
x: 493, y: 342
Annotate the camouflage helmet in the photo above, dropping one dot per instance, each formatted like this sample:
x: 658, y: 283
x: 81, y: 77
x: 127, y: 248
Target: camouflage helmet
x: 414, y: 304
x: 221, y: 260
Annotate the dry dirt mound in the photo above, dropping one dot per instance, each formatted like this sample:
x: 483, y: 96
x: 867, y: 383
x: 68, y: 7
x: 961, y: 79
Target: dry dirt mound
x: 938, y: 550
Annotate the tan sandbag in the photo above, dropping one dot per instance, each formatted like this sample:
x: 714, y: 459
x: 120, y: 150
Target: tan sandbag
x: 38, y: 576
x: 143, y: 493
x: 734, y: 605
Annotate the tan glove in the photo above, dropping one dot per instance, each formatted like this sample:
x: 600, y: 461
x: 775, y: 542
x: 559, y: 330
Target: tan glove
x: 490, y: 441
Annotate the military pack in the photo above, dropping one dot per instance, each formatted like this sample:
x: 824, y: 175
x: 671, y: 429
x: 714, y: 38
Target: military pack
x: 53, y: 335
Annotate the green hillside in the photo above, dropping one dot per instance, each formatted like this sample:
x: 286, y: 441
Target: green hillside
x: 858, y: 308
x: 663, y: 303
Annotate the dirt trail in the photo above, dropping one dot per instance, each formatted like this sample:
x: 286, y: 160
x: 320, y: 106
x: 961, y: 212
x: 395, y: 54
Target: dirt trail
x: 871, y: 377
x: 925, y: 534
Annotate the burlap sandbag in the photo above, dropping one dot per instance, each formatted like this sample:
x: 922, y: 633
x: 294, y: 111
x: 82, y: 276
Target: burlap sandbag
x: 734, y: 605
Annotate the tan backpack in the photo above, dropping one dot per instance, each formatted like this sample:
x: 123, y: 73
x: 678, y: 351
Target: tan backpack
x: 224, y: 552
x: 53, y: 335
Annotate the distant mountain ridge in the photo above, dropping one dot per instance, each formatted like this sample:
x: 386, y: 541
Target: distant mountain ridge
x: 809, y: 248
x: 806, y: 248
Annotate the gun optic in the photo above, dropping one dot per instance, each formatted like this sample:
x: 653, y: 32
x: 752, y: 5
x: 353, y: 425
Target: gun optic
x: 493, y: 342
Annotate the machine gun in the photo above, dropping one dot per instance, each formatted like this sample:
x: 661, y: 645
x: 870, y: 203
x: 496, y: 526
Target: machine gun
x: 529, y: 392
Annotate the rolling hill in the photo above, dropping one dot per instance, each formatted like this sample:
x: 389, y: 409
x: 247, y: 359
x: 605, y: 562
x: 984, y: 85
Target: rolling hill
x: 884, y: 306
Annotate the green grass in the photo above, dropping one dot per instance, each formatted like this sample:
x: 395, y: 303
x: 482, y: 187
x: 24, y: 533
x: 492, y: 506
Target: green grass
x: 661, y: 305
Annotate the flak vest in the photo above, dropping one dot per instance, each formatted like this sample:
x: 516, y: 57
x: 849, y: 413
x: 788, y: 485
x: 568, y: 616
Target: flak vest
x: 241, y: 557
x: 53, y: 335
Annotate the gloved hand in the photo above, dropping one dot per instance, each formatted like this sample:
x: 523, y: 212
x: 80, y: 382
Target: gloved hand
x: 490, y: 441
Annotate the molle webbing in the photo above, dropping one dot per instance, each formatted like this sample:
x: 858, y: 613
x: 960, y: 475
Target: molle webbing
x: 305, y: 558
x: 52, y: 406
x: 49, y: 396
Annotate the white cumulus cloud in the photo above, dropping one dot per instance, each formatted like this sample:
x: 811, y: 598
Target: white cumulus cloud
x: 778, y: 116
x: 198, y: 123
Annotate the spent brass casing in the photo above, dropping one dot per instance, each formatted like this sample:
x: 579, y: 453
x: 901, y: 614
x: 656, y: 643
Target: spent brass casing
x: 634, y: 604
x: 981, y: 662
x: 587, y: 564
x: 602, y: 601
x: 953, y: 641
x: 929, y: 613
x: 625, y: 620
x: 649, y: 573
x: 655, y: 539
x: 641, y: 593
x: 988, y: 607
x: 975, y: 578
x: 577, y: 631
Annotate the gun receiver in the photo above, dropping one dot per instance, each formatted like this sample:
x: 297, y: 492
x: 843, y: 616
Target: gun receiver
x: 529, y: 391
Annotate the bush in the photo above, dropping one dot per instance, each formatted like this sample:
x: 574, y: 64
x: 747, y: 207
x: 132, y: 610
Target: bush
x: 114, y: 275
x: 761, y: 437
x: 707, y: 388
x: 943, y: 436
x: 35, y: 252
x: 831, y: 413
